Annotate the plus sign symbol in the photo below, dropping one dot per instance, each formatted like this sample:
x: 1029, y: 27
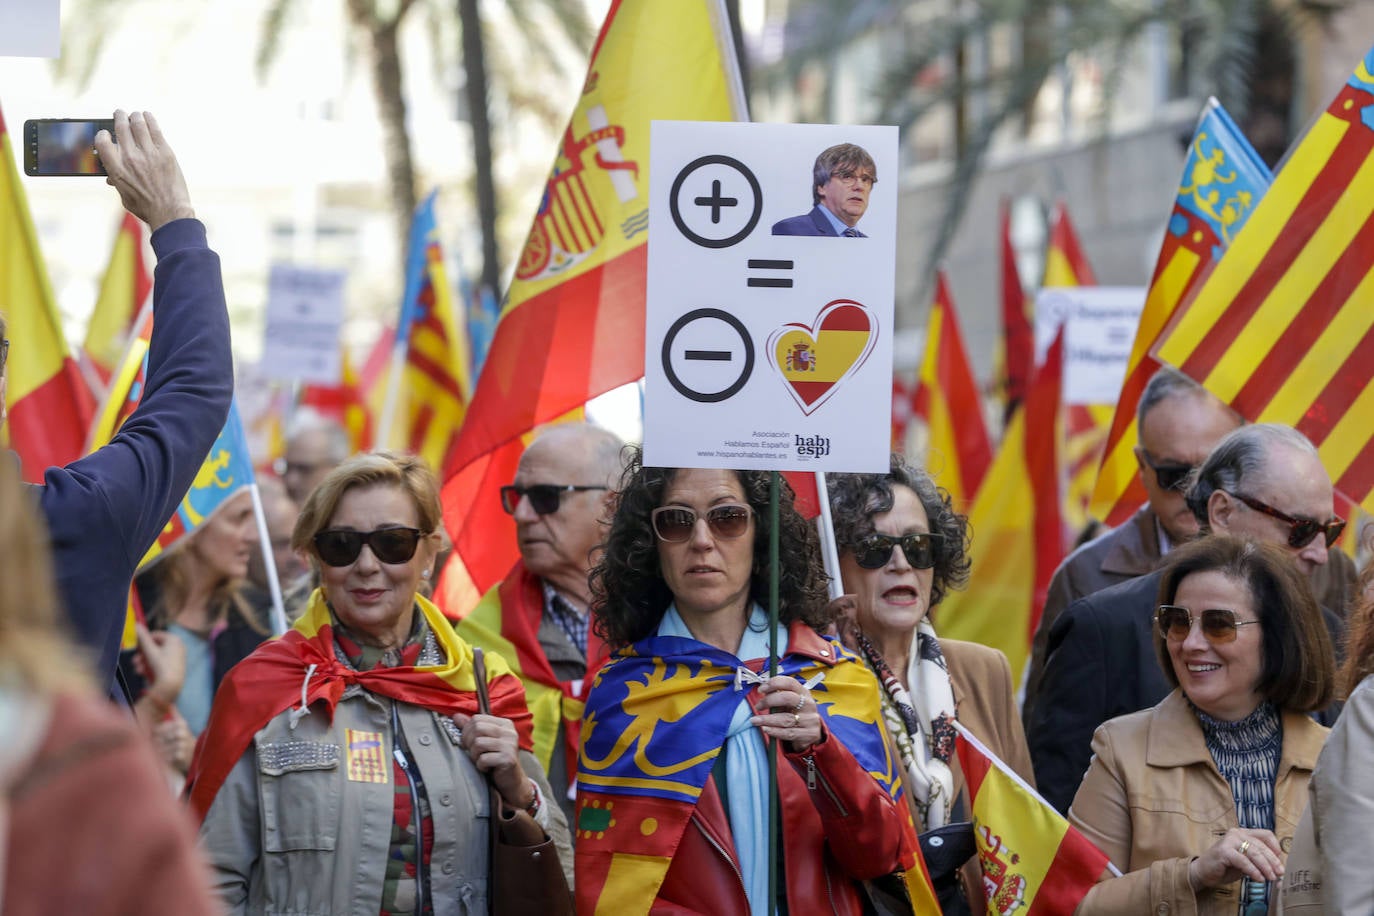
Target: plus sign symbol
x: 716, y: 201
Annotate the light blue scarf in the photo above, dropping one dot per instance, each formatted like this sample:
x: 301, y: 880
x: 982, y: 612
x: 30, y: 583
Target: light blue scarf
x: 746, y: 763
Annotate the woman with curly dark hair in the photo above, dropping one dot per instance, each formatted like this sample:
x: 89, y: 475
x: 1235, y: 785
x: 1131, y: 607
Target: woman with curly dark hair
x: 673, y: 777
x: 902, y: 548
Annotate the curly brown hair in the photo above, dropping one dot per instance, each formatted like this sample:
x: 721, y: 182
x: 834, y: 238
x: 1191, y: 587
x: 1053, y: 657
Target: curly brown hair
x: 629, y: 594
x: 856, y: 498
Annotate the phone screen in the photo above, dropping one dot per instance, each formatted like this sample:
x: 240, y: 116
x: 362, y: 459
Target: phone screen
x: 63, y: 146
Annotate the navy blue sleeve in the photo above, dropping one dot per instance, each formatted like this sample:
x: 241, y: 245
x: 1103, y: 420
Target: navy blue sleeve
x: 105, y: 510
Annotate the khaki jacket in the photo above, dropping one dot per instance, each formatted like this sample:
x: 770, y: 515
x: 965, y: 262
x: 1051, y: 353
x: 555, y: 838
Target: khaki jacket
x: 1153, y: 799
x: 1328, y: 870
x: 299, y: 827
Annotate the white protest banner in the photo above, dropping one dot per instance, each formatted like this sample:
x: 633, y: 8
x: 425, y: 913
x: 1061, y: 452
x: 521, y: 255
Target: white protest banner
x: 30, y: 28
x: 1097, y: 343
x: 305, y: 310
x: 768, y: 333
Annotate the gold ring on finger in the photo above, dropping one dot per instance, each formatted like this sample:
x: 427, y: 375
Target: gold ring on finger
x: 1245, y: 844
x: 796, y: 720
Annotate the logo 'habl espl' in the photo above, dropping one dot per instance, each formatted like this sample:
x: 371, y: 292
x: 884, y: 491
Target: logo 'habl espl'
x: 812, y: 446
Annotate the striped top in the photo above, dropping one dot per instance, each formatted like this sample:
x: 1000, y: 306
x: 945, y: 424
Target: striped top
x: 1247, y: 754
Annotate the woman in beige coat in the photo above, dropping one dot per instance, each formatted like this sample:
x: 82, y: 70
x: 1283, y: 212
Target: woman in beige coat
x: 1197, y: 799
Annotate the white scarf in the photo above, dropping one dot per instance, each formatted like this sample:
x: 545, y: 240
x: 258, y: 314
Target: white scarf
x: 932, y: 697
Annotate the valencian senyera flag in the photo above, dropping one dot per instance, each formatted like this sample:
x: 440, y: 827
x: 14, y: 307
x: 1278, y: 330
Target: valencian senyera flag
x: 1034, y: 862
x: 656, y: 719
x: 1018, y: 532
x: 50, y: 404
x: 1283, y: 327
x: 947, y: 400
x: 573, y: 323
x: 1223, y: 180
x: 427, y: 391
x: 127, y: 284
x: 1085, y: 425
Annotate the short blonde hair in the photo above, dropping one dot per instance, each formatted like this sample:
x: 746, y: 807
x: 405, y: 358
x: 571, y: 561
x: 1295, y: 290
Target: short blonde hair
x: 407, y: 473
x: 35, y: 651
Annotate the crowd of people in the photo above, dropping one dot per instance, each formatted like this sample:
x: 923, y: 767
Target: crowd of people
x: 1199, y: 695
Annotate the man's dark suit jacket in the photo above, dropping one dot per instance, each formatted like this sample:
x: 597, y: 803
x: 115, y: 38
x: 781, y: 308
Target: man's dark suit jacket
x: 1101, y: 664
x: 814, y: 223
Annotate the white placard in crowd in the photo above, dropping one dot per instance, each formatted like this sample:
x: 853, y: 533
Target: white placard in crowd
x: 768, y: 334
x: 1097, y: 345
x: 305, y: 312
x: 30, y: 28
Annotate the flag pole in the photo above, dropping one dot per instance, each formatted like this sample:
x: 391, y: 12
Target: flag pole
x: 825, y: 526
x: 774, y: 485
x: 277, y: 612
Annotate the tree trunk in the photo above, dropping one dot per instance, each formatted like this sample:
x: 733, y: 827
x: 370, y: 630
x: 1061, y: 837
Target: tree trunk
x: 475, y: 67
x: 391, y: 106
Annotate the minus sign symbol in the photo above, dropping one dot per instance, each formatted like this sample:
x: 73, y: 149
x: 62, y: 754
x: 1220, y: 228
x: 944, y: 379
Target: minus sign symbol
x: 722, y: 356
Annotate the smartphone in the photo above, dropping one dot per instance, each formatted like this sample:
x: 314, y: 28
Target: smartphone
x: 63, y: 146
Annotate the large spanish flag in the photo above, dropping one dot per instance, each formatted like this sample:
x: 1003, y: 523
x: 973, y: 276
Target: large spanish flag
x: 1223, y: 179
x: 1018, y: 334
x: 50, y: 404
x: 1085, y: 425
x: 1283, y: 327
x: 1018, y: 530
x: 345, y: 403
x: 428, y: 388
x: 1031, y: 856
x: 947, y: 399
x: 573, y: 324
x: 127, y: 283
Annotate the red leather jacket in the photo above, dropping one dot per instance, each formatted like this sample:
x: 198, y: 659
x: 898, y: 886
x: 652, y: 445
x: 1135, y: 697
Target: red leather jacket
x: 838, y: 827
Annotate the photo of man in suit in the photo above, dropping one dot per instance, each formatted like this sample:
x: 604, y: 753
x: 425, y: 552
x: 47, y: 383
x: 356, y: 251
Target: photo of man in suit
x: 842, y: 179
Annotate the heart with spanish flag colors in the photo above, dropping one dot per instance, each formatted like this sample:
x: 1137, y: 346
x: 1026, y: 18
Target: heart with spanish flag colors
x: 815, y: 360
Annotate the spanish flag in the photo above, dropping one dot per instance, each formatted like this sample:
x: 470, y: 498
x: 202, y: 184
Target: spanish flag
x: 427, y: 392
x: 947, y: 400
x: 345, y: 403
x: 1283, y: 327
x: 1018, y: 531
x: 50, y: 404
x: 1086, y: 425
x: 1018, y: 334
x: 1031, y: 856
x: 1223, y: 180
x: 127, y: 284
x: 573, y: 323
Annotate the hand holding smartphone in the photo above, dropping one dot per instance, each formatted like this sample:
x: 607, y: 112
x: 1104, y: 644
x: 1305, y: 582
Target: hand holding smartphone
x: 63, y: 146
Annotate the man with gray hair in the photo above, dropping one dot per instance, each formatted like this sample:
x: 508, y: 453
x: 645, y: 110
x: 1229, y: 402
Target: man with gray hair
x: 1178, y: 423
x: 537, y: 617
x: 1263, y: 482
x: 315, y: 445
x: 841, y: 179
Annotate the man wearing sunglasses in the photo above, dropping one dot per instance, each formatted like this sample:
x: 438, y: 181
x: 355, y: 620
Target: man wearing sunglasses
x: 1263, y: 482
x: 1178, y: 423
x: 104, y: 510
x: 538, y: 616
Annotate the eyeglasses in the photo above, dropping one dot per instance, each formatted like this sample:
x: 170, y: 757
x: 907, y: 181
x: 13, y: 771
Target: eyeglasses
x: 675, y: 524
x: 1170, y: 476
x: 544, y: 497
x: 863, y: 178
x: 1219, y: 625
x: 1301, y: 531
x: 875, y: 550
x: 341, y: 546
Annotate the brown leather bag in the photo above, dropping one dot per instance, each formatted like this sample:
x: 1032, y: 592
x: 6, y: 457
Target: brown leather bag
x: 526, y: 878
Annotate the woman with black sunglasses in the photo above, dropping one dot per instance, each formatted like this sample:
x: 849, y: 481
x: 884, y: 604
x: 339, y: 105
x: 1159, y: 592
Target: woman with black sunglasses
x: 344, y: 767
x: 1197, y: 799
x: 902, y: 547
x: 673, y: 776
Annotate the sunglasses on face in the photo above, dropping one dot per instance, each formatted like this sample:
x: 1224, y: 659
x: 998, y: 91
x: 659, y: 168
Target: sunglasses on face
x: 1169, y: 475
x: 675, y: 524
x: 341, y: 546
x: 874, y: 551
x: 1301, y: 531
x: 544, y: 497
x: 1218, y: 624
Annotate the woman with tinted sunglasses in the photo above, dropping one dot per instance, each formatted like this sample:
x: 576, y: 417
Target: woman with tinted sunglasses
x: 902, y: 547
x: 1197, y: 799
x: 344, y: 767
x: 673, y: 768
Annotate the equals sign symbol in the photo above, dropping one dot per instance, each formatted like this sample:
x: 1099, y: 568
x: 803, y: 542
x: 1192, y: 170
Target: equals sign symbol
x: 775, y: 282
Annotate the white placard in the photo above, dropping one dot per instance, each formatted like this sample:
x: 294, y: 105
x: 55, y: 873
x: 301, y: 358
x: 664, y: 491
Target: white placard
x: 305, y: 311
x: 30, y: 28
x: 768, y: 337
x: 1102, y: 321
